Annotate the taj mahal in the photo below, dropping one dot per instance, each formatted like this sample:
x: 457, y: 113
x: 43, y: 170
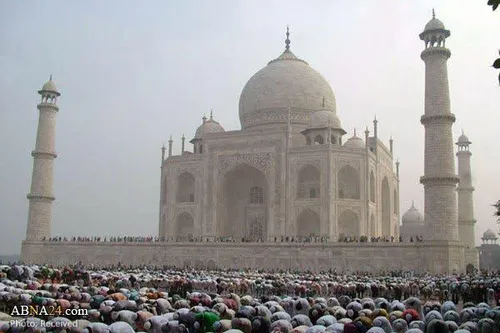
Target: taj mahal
x: 291, y: 189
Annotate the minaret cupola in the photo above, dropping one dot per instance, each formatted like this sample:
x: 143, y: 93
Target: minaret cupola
x: 434, y: 34
x: 323, y: 127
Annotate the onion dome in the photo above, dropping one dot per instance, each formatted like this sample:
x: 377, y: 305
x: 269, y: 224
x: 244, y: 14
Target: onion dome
x: 412, y: 216
x: 322, y: 119
x: 49, y: 87
x: 354, y: 142
x: 489, y: 235
x: 434, y: 24
x: 433, y: 27
x: 463, y: 140
x: 286, y: 82
x: 208, y: 126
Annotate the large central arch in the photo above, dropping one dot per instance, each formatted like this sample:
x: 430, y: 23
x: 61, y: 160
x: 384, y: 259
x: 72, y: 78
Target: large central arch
x: 242, y: 213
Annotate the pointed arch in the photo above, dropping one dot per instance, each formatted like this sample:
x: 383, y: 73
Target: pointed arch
x: 308, y: 223
x: 308, y: 186
x: 184, y: 226
x: 185, y: 187
x: 372, y: 186
x: 318, y: 140
x: 386, y: 208
x: 348, y: 183
x: 348, y: 224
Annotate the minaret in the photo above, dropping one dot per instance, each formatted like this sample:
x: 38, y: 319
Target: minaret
x: 439, y: 180
x: 41, y: 194
x: 465, y: 190
x: 170, y: 141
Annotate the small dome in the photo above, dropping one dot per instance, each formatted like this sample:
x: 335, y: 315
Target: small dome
x: 412, y: 216
x: 434, y: 24
x: 323, y: 118
x: 354, y: 142
x: 209, y: 126
x: 50, y: 86
x: 489, y: 234
x: 463, y: 139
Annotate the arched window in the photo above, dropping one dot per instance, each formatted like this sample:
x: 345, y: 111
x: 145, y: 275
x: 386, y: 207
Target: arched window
x: 309, y: 183
x: 386, y: 208
x: 348, y: 224
x: 348, y: 183
x: 308, y: 223
x: 184, y: 226
x: 201, y: 149
x: 319, y: 140
x: 185, y: 187
x: 256, y: 195
x: 372, y: 187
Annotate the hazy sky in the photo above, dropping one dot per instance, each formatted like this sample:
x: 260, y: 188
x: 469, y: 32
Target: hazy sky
x: 131, y: 73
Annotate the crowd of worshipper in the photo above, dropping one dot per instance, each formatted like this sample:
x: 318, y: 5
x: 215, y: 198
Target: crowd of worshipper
x: 170, y: 300
x: 282, y: 239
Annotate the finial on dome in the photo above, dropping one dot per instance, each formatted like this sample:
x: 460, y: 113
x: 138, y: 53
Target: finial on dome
x: 287, y: 40
x: 211, y: 114
x: 463, y: 132
x: 204, y: 119
x: 413, y: 204
x: 354, y: 131
x: 50, y: 78
x: 433, y: 13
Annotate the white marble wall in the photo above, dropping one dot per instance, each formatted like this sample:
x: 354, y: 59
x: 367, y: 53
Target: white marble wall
x: 439, y: 257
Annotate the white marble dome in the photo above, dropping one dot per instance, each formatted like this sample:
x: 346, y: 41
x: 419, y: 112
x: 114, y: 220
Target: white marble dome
x: 50, y: 86
x: 489, y: 234
x: 209, y: 126
x: 412, y: 216
x: 354, y: 142
x: 434, y: 24
x: 322, y: 119
x: 463, y: 139
x: 286, y: 82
